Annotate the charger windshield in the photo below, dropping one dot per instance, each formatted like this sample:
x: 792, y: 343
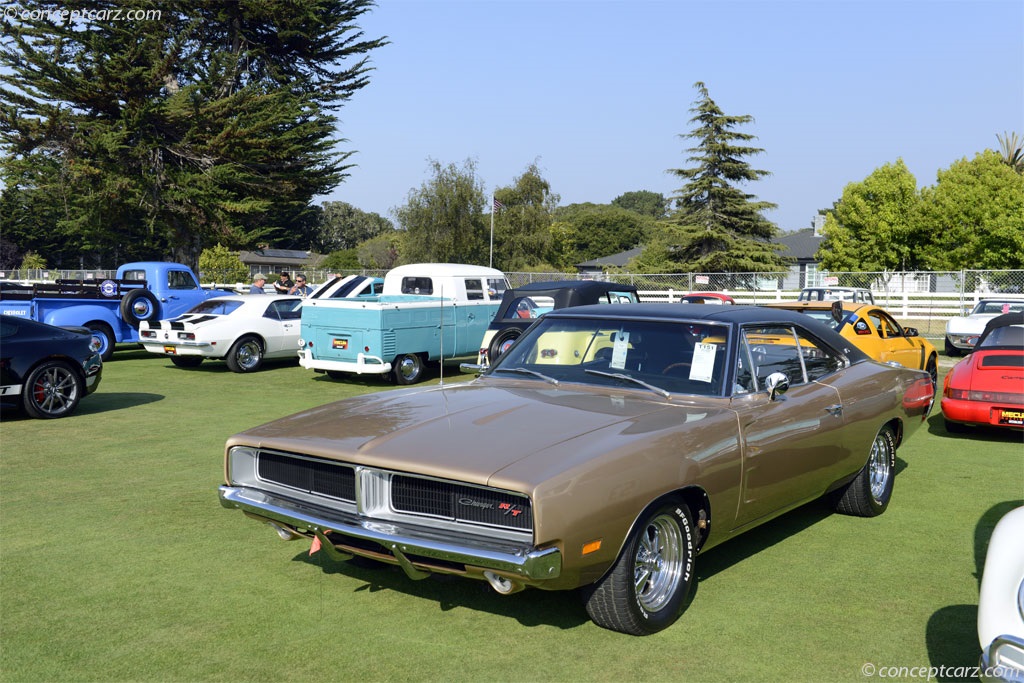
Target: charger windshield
x: 677, y: 357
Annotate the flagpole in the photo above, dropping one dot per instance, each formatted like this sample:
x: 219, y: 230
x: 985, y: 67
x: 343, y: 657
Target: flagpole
x: 490, y: 256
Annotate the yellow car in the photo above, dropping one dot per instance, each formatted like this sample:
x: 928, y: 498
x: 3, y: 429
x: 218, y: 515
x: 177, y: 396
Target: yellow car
x: 873, y: 331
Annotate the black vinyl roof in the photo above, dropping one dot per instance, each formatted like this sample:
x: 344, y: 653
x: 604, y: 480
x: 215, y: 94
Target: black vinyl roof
x: 566, y: 292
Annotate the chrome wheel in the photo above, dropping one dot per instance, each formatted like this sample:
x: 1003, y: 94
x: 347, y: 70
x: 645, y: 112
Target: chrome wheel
x: 246, y: 355
x: 52, y: 390
x: 658, y: 565
x: 880, y: 466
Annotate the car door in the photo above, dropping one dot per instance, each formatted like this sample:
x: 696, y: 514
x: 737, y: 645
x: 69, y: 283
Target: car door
x: 793, y: 444
x: 281, y: 326
x: 895, y: 346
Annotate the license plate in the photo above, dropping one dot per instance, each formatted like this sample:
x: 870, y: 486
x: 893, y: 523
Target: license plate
x: 1011, y: 417
x: 339, y: 344
x: 171, y: 350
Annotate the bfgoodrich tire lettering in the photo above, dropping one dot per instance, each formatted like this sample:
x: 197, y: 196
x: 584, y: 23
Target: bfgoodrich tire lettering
x: 869, y: 493
x: 645, y: 589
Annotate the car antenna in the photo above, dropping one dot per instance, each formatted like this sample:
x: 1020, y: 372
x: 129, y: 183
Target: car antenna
x: 441, y: 364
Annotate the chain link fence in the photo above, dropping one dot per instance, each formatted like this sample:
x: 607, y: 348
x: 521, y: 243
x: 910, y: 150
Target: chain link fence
x: 928, y: 298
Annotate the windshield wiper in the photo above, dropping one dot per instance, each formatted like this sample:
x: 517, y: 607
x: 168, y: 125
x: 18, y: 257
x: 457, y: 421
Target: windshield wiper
x: 629, y: 378
x: 527, y: 371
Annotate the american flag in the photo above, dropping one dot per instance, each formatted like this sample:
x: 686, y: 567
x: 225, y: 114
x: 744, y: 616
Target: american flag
x: 498, y: 205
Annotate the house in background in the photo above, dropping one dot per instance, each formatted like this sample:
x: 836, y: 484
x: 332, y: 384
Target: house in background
x: 272, y: 261
x: 801, y: 247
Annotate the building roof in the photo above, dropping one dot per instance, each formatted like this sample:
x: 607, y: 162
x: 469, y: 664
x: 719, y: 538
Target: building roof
x: 802, y: 244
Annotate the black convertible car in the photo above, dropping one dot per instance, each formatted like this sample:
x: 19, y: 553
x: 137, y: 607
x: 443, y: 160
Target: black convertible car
x: 45, y: 369
x: 522, y: 305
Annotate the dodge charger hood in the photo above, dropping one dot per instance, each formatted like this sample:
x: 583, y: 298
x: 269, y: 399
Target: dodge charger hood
x: 470, y: 432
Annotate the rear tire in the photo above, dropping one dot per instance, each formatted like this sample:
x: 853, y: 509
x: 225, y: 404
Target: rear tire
x: 246, y: 355
x: 53, y: 390
x: 869, y: 493
x: 932, y: 368
x: 407, y: 369
x: 644, y: 590
x: 103, y: 332
x: 187, y: 361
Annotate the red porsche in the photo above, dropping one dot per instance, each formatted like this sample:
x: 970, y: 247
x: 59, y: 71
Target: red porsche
x: 987, y: 387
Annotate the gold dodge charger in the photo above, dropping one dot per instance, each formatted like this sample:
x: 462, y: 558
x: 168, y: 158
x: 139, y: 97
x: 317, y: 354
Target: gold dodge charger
x: 602, y: 452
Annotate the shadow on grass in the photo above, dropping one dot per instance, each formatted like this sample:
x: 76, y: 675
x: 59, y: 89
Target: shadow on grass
x: 986, y: 434
x: 722, y: 557
x: 531, y: 607
x: 98, y: 402
x: 952, y: 632
x: 952, y: 640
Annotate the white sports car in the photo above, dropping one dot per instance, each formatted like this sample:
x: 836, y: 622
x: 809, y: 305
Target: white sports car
x: 1001, y: 602
x: 242, y: 330
x: 962, y: 332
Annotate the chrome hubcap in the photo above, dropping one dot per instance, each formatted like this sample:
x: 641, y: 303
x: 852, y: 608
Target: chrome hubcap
x: 248, y: 355
x: 658, y: 563
x: 880, y: 466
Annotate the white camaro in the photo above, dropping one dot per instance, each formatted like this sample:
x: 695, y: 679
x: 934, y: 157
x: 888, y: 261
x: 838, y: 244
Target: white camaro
x: 242, y: 330
x: 962, y: 332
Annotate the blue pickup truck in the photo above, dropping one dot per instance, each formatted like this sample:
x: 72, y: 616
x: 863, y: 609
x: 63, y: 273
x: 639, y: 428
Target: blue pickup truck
x: 112, y: 309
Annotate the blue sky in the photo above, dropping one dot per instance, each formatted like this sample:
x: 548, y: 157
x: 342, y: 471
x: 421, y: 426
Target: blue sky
x: 597, y: 92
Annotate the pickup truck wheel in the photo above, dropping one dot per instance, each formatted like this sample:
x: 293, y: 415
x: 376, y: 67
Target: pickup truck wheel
x: 139, y: 305
x: 187, y: 361
x: 103, y: 332
x: 53, y: 390
x: 644, y: 590
x: 502, y: 341
x: 246, y: 355
x: 869, y: 493
x: 407, y: 369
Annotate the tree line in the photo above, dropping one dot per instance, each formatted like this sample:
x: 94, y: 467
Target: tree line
x: 211, y: 127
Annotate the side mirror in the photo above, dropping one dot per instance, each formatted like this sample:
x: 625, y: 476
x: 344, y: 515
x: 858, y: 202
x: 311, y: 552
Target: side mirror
x: 777, y: 384
x: 909, y: 331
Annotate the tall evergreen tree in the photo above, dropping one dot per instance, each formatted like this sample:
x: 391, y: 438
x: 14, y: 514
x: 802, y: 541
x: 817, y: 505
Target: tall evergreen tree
x: 717, y: 227
x: 186, y: 125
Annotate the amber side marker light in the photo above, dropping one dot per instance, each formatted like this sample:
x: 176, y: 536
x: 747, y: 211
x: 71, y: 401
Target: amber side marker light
x: 591, y: 547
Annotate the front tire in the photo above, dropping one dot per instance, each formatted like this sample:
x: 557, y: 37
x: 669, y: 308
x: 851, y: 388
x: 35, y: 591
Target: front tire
x: 644, y: 590
x: 246, y: 355
x: 53, y: 390
x: 951, y: 350
x: 932, y: 368
x: 869, y: 493
x: 407, y: 369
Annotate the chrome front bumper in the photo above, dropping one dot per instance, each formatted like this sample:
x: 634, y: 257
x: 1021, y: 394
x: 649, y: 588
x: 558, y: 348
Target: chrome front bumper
x: 418, y: 550
x: 365, y: 364
x: 1003, y: 660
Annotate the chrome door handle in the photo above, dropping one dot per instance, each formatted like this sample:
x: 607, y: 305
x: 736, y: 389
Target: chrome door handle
x: 835, y: 410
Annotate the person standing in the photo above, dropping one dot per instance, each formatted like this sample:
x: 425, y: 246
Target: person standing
x: 257, y: 284
x: 284, y: 283
x: 300, y: 287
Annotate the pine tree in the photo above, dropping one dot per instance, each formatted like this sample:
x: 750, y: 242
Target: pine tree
x: 190, y: 124
x: 716, y: 226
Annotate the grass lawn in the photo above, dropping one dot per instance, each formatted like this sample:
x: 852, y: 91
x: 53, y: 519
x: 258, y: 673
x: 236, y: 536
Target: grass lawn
x: 117, y: 563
